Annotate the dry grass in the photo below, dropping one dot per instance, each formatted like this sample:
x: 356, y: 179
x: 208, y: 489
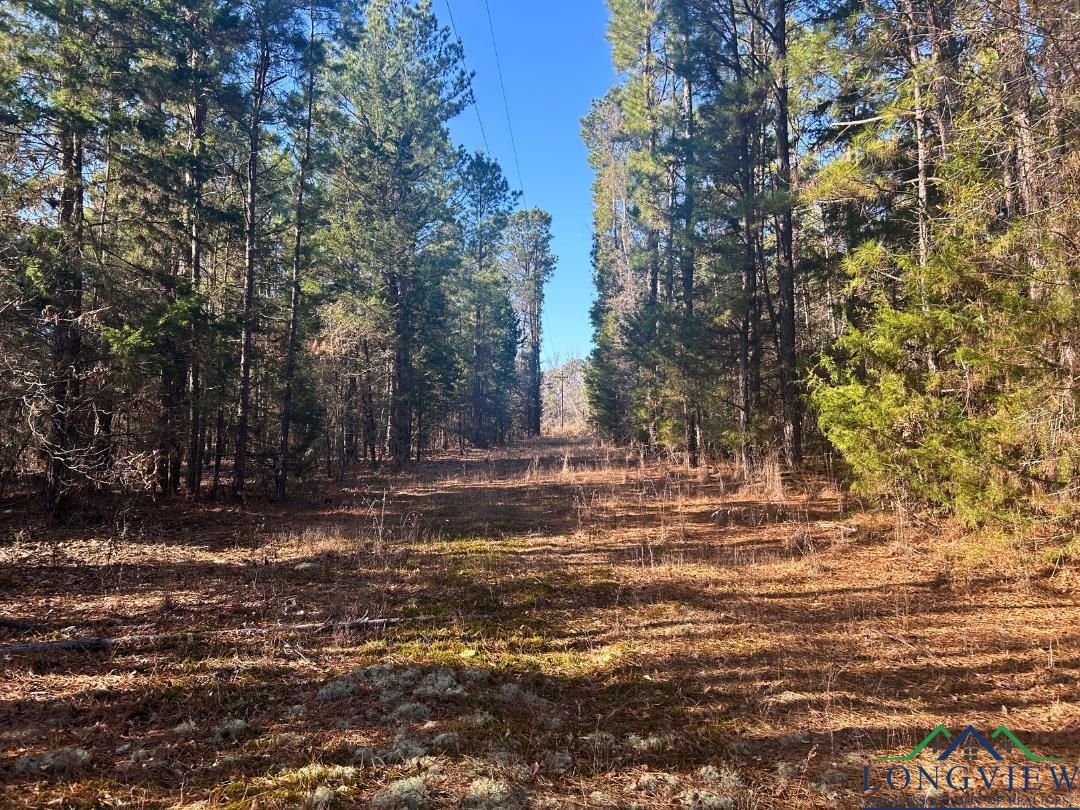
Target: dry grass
x: 607, y: 631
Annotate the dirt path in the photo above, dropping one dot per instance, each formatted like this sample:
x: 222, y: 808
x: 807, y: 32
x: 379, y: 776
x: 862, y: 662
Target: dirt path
x: 598, y: 632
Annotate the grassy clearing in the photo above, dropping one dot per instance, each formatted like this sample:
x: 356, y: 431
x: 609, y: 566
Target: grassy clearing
x: 596, y: 632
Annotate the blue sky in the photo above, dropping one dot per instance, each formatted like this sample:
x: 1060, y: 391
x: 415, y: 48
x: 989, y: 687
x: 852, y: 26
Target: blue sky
x: 555, y: 60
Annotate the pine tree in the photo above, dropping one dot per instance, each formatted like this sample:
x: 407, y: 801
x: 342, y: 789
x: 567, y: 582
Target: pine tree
x: 529, y: 264
x: 400, y: 84
x: 486, y: 286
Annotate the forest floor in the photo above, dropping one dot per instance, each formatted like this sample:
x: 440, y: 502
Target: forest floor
x: 584, y: 629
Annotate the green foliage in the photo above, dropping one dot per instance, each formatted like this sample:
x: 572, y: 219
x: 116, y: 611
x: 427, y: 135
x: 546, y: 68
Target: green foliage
x: 243, y: 229
x: 933, y: 202
x: 956, y: 392
x: 486, y: 300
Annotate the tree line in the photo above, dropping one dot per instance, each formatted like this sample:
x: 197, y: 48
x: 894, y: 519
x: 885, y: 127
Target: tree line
x: 848, y: 229
x: 238, y: 246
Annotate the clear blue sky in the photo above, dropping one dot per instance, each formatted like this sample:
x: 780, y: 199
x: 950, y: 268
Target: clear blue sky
x: 555, y: 60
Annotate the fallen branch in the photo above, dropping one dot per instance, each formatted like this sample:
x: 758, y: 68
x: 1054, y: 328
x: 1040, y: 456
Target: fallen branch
x: 19, y: 624
x: 94, y: 644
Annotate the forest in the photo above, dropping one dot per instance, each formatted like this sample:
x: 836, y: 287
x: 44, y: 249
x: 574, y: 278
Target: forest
x: 846, y: 230
x: 240, y: 249
x: 325, y: 483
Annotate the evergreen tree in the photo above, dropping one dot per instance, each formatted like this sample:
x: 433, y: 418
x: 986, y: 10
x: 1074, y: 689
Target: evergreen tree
x: 529, y: 263
x: 487, y: 203
x: 812, y: 177
x: 238, y: 230
x: 399, y: 85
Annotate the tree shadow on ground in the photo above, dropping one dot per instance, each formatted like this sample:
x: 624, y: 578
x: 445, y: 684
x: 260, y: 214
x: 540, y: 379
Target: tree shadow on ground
x: 631, y: 631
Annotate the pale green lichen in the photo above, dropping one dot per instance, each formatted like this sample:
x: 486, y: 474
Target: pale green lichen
x: 475, y: 677
x: 311, y: 775
x: 656, y: 784
x: 645, y: 745
x: 336, y: 690
x: 404, y: 794
x: 231, y: 730
x: 60, y: 760
x: 558, y: 761
x: 406, y: 750
x: 705, y: 800
x: 439, y: 684
x: 410, y: 713
x: 787, y: 771
x: 724, y: 777
x: 599, y: 742
x: 491, y: 794
x: 477, y: 719
x: 446, y: 741
x: 513, y: 694
x: 322, y: 798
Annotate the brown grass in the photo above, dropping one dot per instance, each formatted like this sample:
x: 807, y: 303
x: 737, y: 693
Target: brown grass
x: 639, y: 618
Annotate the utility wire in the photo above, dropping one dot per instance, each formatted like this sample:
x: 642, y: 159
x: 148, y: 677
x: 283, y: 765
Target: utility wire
x: 472, y: 93
x: 506, y: 104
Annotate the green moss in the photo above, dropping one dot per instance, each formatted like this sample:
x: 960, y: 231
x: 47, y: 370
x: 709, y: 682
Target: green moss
x: 292, y: 787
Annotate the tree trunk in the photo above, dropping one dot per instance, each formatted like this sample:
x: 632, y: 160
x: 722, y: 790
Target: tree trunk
x: 399, y: 431
x: 66, y: 347
x: 367, y: 400
x: 747, y: 122
x: 535, y: 375
x: 785, y: 270
x: 258, y: 94
x: 922, y: 148
x: 1017, y: 84
x: 945, y: 49
x: 219, y: 447
x: 480, y: 438
x: 197, y: 110
x: 281, y: 485
x: 348, y: 419
x: 101, y: 459
x: 419, y: 425
x: 687, y: 264
x: 921, y: 144
x: 168, y: 461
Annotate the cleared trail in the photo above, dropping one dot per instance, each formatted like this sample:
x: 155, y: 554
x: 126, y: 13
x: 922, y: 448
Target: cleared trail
x: 582, y: 628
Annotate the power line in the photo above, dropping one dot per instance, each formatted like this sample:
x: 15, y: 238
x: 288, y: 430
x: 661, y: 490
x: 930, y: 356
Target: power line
x: 472, y: 93
x: 506, y: 104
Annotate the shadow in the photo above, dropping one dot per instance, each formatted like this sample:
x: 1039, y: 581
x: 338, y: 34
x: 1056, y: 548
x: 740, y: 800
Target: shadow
x: 633, y: 618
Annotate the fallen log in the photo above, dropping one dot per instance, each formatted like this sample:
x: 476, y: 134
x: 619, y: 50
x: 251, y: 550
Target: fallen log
x: 94, y: 644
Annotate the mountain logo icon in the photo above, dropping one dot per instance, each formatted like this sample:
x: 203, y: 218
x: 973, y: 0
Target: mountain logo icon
x: 971, y: 744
